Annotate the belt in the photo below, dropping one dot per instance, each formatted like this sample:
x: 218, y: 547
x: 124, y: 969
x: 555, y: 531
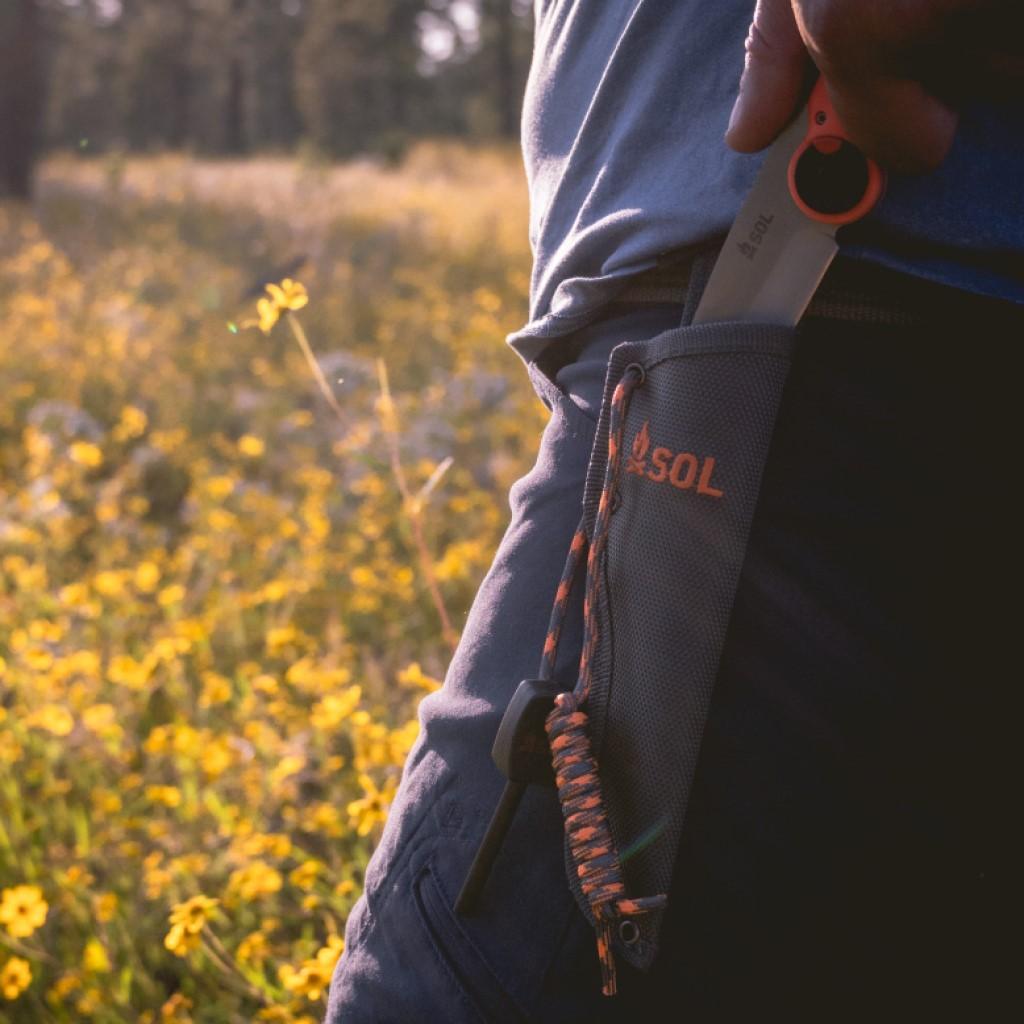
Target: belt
x: 851, y: 290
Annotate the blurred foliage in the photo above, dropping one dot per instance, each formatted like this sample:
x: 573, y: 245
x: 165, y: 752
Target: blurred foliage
x: 214, y: 630
x: 235, y: 76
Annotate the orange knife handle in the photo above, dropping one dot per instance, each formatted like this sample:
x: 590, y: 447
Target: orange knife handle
x: 827, y: 136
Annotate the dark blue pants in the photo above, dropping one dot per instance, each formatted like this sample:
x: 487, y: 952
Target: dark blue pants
x: 843, y: 849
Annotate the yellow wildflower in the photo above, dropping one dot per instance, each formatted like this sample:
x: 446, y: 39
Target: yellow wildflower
x: 75, y: 875
x: 107, y: 511
x: 187, y: 920
x: 105, y: 802
x: 128, y: 672
x: 99, y: 718
x: 88, y: 1002
x: 85, y: 454
x: 306, y: 874
x: 43, y: 629
x: 280, y: 637
x: 156, y: 878
x: 287, y: 765
x: 413, y: 675
x: 372, y: 741
x: 288, y: 294
x: 168, y: 648
x: 328, y: 955
x: 346, y: 887
x: 53, y: 718
x: 39, y: 659
x: 23, y: 910
x: 335, y: 708
x: 147, y: 576
x: 221, y: 520
x: 174, y: 594
x: 370, y: 809
x: 276, y: 1015
x: 131, y: 424
x: 37, y: 444
x: 324, y: 818
x: 175, y: 1010
x: 15, y: 977
x: 265, y: 683
x: 314, y: 975
x: 180, y: 941
x: 401, y: 740
x: 65, y: 985
x: 287, y: 528
x: 193, y: 913
x: 253, y: 948
x: 310, y: 980
x: 168, y: 440
x: 216, y: 757
x: 105, y: 904
x: 169, y: 796
x: 187, y: 740
x: 109, y: 583
x: 219, y: 487
x: 158, y: 741
x: 269, y: 313
x: 275, y: 590
x: 216, y: 689
x: 94, y: 957
x: 250, y: 445
x: 255, y: 880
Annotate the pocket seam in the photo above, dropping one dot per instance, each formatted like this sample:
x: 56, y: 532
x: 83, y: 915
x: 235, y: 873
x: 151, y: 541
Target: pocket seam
x: 441, y: 925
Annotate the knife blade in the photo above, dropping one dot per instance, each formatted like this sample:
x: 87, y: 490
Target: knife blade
x: 812, y: 181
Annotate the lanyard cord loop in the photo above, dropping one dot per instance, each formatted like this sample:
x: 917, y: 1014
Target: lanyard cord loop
x: 579, y: 787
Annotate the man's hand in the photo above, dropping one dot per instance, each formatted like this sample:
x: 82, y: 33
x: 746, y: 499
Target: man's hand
x: 897, y: 70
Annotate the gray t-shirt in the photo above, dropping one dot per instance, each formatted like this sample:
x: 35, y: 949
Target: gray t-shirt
x: 624, y: 115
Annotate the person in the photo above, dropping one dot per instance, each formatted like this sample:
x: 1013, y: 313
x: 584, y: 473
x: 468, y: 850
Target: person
x: 847, y: 838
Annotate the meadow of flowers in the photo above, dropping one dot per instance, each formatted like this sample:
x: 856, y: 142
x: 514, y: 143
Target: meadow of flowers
x: 240, y: 529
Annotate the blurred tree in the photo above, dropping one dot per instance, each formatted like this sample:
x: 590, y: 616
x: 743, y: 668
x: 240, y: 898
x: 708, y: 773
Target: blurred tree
x: 481, y: 73
x: 274, y: 29
x: 237, y: 76
x: 498, y: 36
x: 82, y: 103
x: 356, y: 73
x: 153, y: 72
x: 21, y: 83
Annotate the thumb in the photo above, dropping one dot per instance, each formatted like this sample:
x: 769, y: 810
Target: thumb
x: 772, y: 80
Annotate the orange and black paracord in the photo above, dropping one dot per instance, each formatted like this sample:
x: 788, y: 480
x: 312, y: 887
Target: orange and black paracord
x: 576, y: 774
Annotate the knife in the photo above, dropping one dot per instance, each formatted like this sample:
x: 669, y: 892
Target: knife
x: 813, y: 181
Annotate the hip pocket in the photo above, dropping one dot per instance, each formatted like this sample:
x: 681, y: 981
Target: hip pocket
x: 687, y: 451
x: 471, y: 976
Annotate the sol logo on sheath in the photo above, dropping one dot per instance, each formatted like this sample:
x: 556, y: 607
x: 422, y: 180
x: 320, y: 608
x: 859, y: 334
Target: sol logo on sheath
x: 680, y: 469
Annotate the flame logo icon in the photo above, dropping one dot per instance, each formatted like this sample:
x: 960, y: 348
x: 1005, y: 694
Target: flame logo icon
x: 636, y: 463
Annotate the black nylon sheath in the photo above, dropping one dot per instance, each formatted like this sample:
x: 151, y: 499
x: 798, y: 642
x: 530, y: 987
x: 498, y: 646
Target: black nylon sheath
x: 701, y: 423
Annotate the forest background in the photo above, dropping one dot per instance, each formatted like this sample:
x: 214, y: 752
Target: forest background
x: 228, y: 77
x: 258, y: 259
